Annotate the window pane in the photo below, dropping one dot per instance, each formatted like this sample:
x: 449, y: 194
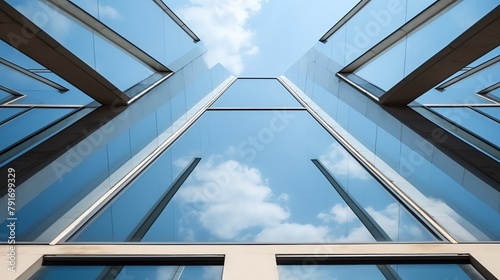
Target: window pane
x: 129, y: 272
x: 404, y: 272
x: 30, y: 122
x: 256, y: 93
x: 254, y: 185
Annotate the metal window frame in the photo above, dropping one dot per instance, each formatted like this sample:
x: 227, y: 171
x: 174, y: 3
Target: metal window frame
x: 177, y: 20
x: 489, y: 89
x: 109, y: 260
x: 366, y: 219
x: 384, y: 262
x: 343, y: 20
x: 469, y: 73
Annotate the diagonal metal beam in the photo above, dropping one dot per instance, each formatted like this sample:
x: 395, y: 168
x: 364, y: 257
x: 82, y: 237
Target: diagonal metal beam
x: 343, y: 20
x: 142, y: 228
x: 373, y: 227
x: 25, y: 36
x: 177, y: 20
x: 480, y: 38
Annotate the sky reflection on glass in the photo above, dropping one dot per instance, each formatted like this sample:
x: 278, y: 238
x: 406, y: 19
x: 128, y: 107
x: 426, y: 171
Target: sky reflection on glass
x: 256, y: 183
x: 348, y: 272
x: 257, y: 93
x: 129, y: 272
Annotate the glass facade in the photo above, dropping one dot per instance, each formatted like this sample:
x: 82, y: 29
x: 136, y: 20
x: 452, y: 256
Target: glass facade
x: 400, y: 271
x: 169, y: 156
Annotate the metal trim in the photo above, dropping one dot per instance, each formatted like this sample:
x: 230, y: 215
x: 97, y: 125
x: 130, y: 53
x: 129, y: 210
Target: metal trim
x: 468, y: 73
x: 371, y: 225
x: 344, y: 78
x: 33, y: 75
x: 255, y: 109
x: 414, y: 208
x: 136, y: 171
x: 109, y: 260
x: 343, y: 20
x: 27, y: 105
x: 372, y: 259
x: 140, y: 94
x: 142, y: 228
x: 177, y: 20
x: 489, y: 89
x: 11, y: 91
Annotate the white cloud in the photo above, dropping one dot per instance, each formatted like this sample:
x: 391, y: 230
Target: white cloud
x: 222, y: 25
x: 109, y: 12
x: 389, y: 219
x: 305, y: 272
x: 233, y: 197
x: 340, y: 163
x: 292, y: 232
x: 338, y: 213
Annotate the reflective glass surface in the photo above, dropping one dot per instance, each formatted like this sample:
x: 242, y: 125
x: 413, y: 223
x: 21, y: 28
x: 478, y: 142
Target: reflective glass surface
x: 24, y: 125
x: 473, y: 121
x: 99, y: 161
x: 400, y: 271
x: 256, y: 93
x: 5, y: 96
x: 128, y: 272
x: 466, y: 205
x: 255, y: 183
x: 8, y: 113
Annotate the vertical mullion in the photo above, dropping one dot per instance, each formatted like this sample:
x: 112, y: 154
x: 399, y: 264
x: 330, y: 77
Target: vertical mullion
x: 373, y: 227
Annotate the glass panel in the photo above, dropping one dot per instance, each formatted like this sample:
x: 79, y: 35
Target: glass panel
x: 472, y: 121
x: 374, y: 22
x: 5, y: 96
x: 493, y: 112
x: 6, y: 113
x: 404, y: 272
x: 129, y: 272
x: 25, y: 124
x: 17, y: 81
x: 255, y: 185
x: 256, y: 93
x: 9, y: 53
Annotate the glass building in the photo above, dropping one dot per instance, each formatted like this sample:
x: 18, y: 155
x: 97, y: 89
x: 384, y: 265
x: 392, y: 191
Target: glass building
x: 124, y: 155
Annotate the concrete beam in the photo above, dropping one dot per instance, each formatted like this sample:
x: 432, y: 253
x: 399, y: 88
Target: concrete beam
x: 479, y: 39
x: 22, y: 34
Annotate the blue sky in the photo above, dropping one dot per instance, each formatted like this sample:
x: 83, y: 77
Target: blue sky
x: 259, y: 37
